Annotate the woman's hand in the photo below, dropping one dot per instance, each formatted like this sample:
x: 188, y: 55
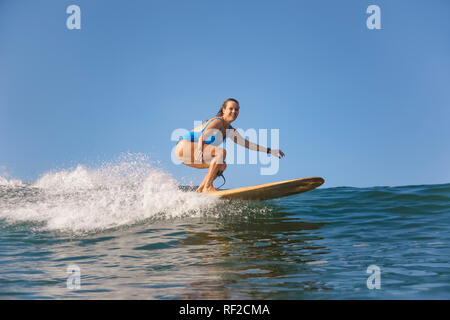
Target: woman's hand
x: 198, y: 155
x: 277, y: 153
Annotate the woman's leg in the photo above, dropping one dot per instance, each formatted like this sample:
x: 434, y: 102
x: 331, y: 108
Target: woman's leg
x: 213, y: 159
x: 216, y: 163
x: 206, y: 185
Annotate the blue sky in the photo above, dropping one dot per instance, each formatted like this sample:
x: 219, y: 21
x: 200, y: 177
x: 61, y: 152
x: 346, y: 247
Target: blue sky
x: 358, y: 107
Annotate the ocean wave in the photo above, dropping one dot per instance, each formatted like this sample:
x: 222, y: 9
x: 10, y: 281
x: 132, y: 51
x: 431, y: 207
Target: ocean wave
x: 88, y: 199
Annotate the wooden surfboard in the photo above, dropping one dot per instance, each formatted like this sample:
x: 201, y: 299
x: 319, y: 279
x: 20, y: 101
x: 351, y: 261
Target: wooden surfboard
x: 270, y: 190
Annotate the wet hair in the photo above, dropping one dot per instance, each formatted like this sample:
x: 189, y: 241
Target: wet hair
x: 224, y: 104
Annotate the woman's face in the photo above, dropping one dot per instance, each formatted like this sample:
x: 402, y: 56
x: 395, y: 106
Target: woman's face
x: 231, y: 111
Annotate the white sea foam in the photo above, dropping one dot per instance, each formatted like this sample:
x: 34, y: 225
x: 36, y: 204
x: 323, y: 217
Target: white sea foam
x: 67, y: 180
x: 10, y: 182
x: 118, y: 193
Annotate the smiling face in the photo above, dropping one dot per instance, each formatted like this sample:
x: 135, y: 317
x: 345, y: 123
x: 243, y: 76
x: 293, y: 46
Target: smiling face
x: 230, y: 111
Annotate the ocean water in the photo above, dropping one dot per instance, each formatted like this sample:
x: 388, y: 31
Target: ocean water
x: 127, y: 230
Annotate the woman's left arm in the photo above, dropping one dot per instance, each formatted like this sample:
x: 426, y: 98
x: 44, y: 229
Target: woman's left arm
x: 240, y: 140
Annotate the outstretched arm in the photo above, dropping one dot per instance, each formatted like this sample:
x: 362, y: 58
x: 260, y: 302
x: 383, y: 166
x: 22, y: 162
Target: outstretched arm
x: 240, y: 140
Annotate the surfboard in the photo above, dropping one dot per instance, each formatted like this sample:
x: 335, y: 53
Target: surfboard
x: 270, y: 190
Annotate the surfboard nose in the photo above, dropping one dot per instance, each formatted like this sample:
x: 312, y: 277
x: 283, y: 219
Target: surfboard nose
x: 271, y: 190
x: 318, y: 181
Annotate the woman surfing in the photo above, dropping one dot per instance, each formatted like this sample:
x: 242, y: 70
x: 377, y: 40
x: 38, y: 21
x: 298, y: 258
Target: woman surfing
x: 200, y: 148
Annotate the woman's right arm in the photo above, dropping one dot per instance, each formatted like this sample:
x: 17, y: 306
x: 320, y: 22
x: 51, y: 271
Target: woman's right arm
x: 198, y: 152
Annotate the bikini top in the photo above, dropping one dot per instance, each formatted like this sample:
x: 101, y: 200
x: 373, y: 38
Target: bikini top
x: 193, y: 136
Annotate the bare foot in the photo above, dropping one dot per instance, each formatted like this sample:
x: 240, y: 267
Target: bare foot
x: 210, y: 189
x: 199, y: 189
